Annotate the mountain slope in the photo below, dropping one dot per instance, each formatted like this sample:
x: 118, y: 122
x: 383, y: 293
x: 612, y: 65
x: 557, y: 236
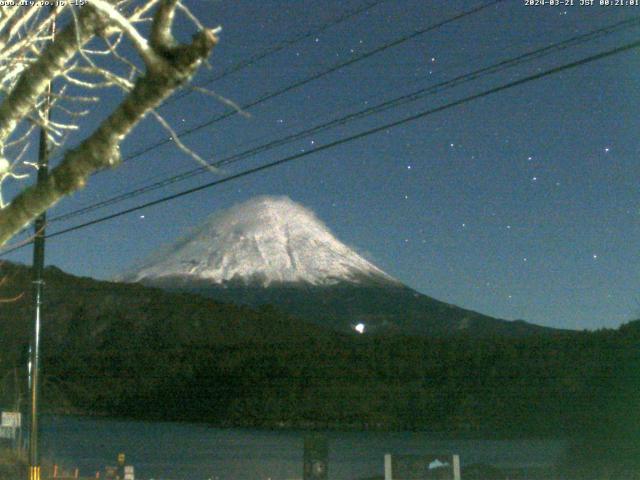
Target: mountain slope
x: 375, y: 309
x: 85, y: 309
x: 271, y: 250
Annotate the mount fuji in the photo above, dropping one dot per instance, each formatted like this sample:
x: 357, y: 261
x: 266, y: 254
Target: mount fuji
x: 263, y: 242
x: 271, y: 250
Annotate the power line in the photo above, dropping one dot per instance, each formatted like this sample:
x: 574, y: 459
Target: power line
x: 318, y: 75
x: 395, y: 102
x: 277, y: 48
x: 264, y: 54
x: 366, y: 133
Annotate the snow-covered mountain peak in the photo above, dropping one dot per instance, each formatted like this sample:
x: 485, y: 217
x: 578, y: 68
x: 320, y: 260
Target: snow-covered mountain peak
x: 264, y: 240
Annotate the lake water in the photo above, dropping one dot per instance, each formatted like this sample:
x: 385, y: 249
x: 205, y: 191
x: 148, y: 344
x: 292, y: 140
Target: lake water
x: 166, y: 450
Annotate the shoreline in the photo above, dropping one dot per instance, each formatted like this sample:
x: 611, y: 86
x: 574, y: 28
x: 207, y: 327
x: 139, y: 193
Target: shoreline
x: 311, y: 428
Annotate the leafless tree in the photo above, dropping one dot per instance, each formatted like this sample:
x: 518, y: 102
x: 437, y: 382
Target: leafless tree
x: 85, y: 56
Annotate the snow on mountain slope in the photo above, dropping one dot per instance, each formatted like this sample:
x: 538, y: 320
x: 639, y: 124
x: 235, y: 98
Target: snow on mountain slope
x: 265, y: 240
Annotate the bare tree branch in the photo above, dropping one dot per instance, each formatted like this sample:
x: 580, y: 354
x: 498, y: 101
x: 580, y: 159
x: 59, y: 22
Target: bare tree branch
x: 168, y: 66
x: 33, y: 82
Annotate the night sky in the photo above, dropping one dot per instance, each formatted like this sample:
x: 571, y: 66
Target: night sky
x: 522, y: 205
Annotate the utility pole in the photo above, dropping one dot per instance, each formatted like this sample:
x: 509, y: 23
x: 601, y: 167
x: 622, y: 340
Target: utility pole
x: 38, y: 286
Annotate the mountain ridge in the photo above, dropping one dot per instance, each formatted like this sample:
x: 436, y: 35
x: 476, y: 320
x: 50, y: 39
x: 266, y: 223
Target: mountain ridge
x: 136, y: 352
